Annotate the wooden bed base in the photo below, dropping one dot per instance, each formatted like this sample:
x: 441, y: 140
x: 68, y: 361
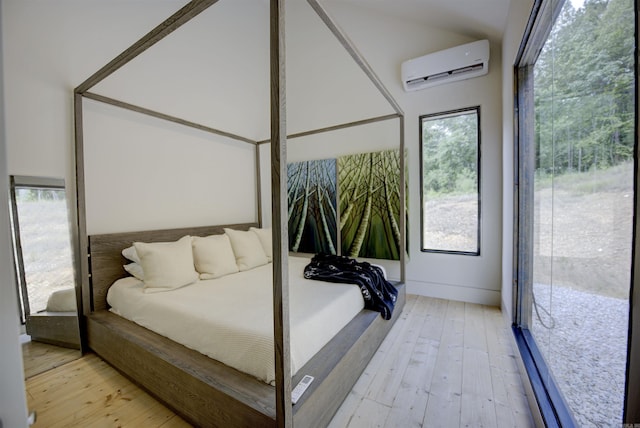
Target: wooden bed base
x: 206, y: 392
x: 55, y: 328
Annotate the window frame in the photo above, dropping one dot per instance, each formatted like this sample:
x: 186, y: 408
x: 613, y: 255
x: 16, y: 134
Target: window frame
x: 445, y: 114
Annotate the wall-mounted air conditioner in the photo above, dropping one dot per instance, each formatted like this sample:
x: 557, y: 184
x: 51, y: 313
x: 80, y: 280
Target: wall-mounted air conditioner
x: 449, y: 65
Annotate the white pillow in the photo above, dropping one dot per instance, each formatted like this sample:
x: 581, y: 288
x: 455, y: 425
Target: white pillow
x: 135, y: 269
x: 264, y: 235
x: 166, y: 265
x: 62, y: 301
x: 247, y: 249
x: 213, y: 256
x: 131, y: 254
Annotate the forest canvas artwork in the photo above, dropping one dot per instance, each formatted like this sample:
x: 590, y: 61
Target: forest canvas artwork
x: 368, y: 209
x: 369, y: 188
x: 312, y: 206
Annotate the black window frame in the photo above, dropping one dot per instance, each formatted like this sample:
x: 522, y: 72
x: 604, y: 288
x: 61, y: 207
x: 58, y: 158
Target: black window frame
x: 445, y: 114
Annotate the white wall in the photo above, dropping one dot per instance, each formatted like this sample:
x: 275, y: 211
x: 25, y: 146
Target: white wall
x: 50, y: 48
x: 519, y: 12
x: 13, y: 405
x: 385, y: 43
x: 143, y: 173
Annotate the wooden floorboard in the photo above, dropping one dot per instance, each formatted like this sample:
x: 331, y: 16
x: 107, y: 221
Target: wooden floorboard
x: 90, y: 393
x: 444, y: 364
x: 40, y: 357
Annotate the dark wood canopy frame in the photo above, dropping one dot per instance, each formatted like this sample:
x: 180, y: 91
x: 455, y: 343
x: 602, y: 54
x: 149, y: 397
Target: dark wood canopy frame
x: 171, y: 370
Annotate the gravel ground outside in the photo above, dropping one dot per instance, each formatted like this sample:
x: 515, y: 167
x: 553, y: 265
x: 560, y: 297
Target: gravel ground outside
x: 585, y: 345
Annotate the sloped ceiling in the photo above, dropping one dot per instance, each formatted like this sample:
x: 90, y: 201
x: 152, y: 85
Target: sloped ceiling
x: 215, y: 71
x: 479, y: 19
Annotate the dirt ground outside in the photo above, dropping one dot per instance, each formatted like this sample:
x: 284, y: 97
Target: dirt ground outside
x: 584, y: 241
x: 451, y: 223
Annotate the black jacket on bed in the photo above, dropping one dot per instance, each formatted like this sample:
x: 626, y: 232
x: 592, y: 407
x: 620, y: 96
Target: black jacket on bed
x: 378, y: 293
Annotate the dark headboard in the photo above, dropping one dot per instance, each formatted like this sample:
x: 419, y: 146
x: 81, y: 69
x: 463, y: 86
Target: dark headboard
x: 106, y: 260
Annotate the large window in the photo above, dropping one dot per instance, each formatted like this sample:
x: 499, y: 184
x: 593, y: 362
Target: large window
x: 450, y: 162
x: 577, y: 139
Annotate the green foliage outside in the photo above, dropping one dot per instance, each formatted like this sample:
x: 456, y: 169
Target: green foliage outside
x: 450, y: 155
x: 584, y: 89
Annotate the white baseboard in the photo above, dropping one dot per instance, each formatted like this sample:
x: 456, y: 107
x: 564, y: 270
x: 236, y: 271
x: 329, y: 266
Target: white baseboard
x: 454, y: 292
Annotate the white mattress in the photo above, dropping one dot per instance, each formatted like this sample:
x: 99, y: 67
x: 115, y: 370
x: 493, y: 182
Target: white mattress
x: 230, y: 319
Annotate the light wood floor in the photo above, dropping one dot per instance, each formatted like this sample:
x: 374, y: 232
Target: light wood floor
x: 40, y: 357
x: 443, y: 364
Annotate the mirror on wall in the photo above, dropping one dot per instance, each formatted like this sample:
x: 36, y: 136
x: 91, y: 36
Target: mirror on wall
x: 45, y: 279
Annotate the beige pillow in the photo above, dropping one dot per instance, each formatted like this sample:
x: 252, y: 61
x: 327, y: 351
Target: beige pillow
x: 130, y: 254
x: 166, y: 265
x: 247, y: 249
x: 213, y: 256
x: 135, y: 270
x: 264, y: 235
x: 62, y: 301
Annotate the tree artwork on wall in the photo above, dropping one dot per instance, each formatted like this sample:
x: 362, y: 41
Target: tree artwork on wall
x: 369, y: 187
x: 312, y: 206
x: 369, y: 206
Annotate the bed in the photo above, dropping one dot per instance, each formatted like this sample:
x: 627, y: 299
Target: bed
x: 204, y: 391
x: 230, y: 318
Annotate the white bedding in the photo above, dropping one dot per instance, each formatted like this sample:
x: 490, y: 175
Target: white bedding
x: 230, y: 318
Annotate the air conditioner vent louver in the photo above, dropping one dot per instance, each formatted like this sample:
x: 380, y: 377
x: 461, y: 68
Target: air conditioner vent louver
x: 450, y: 65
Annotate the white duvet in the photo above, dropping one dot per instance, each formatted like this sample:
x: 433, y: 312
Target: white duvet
x: 230, y: 319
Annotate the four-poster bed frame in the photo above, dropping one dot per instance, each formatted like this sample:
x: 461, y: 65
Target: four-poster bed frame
x: 198, y: 388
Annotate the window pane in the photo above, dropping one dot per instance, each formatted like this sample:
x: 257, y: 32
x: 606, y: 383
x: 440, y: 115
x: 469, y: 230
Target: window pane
x: 583, y: 206
x: 450, y: 177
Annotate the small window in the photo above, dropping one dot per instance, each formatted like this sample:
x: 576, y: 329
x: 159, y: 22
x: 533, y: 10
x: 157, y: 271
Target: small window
x: 450, y: 164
